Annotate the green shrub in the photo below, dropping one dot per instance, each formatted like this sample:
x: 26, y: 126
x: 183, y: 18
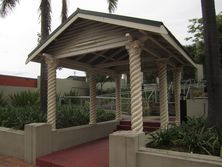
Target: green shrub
x: 103, y: 116
x: 71, y: 115
x: 199, y: 138
x: 71, y: 101
x: 25, y: 98
x: 164, y: 138
x: 194, y: 136
x: 2, y: 100
x: 67, y: 116
x: 16, y: 118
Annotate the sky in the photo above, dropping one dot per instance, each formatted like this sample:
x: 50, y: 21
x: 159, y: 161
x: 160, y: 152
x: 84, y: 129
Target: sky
x: 18, y: 31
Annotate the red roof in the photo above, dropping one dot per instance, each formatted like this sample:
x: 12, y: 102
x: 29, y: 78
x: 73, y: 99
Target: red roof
x: 17, y: 81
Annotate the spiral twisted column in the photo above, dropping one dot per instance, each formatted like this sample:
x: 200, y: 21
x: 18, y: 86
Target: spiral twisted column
x: 162, y: 74
x: 177, y: 91
x: 118, y: 100
x: 51, y: 103
x: 134, y: 49
x: 92, y: 92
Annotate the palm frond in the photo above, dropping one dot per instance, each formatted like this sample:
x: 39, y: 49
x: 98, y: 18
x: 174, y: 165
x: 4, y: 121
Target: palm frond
x: 112, y: 5
x: 45, y: 15
x: 7, y: 6
x: 64, y: 12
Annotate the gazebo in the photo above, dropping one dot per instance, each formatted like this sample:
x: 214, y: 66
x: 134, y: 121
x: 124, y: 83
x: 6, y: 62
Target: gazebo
x: 100, y: 43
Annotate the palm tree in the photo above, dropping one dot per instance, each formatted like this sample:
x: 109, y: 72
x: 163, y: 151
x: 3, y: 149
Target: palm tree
x: 64, y: 12
x: 45, y: 15
x: 112, y: 5
x: 213, y: 64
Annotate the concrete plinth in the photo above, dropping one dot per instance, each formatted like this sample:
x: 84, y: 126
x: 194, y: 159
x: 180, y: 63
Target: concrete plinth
x: 38, y: 138
x: 123, y: 146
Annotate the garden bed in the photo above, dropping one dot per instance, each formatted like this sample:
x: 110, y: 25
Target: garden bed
x: 194, y: 137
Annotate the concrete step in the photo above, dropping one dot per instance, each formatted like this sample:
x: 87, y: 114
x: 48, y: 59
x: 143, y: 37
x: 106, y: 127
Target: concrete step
x: 123, y: 127
x: 145, y: 123
x: 146, y: 128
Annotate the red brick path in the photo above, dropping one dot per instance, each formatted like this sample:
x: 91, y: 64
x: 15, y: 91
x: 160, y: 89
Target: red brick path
x: 7, y: 161
x: 92, y: 154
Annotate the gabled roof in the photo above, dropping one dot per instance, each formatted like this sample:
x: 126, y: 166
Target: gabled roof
x: 129, y: 22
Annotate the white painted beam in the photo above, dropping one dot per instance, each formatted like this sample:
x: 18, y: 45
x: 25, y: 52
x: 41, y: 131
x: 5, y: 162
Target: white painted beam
x: 93, y: 49
x: 176, y: 46
x: 125, y: 23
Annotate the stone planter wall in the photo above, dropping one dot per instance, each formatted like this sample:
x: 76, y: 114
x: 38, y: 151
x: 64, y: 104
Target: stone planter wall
x: 39, y: 139
x: 12, y: 142
x: 127, y: 149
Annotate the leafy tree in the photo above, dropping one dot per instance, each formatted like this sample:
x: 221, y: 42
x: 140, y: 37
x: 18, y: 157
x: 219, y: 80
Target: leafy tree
x: 102, y: 79
x: 196, y: 29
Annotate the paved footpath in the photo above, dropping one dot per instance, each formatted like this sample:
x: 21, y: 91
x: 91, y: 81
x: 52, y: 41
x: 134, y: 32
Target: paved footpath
x: 7, y: 161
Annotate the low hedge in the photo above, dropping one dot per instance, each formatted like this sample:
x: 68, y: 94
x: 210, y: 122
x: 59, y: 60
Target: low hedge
x: 67, y: 116
x: 17, y: 117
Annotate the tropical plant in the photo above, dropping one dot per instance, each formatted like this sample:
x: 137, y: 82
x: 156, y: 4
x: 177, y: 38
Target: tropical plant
x: 102, y: 116
x: 70, y: 115
x: 64, y: 13
x: 24, y: 98
x: 193, y: 136
x: 71, y: 97
x: 67, y: 116
x: 18, y: 117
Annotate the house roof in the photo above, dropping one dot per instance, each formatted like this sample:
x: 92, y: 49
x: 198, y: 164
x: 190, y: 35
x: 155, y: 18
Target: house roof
x: 159, y: 36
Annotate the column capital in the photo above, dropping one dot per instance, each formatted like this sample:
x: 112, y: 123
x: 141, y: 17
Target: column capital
x: 178, y: 69
x: 134, y: 46
x: 118, y: 76
x: 50, y: 61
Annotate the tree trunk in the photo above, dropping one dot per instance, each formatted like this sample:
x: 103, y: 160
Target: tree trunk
x: 64, y: 11
x: 45, y: 28
x: 212, y: 62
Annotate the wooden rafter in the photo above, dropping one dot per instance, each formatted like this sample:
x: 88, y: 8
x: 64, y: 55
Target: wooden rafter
x: 97, y: 55
x: 99, y: 47
x: 165, y: 49
x: 123, y: 62
x: 85, y: 67
x: 114, y: 54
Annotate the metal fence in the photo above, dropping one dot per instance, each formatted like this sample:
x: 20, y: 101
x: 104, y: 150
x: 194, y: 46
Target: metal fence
x: 104, y: 103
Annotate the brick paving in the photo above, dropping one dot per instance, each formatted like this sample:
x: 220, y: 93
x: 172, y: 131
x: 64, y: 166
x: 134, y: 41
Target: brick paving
x: 7, y: 161
x: 92, y: 154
